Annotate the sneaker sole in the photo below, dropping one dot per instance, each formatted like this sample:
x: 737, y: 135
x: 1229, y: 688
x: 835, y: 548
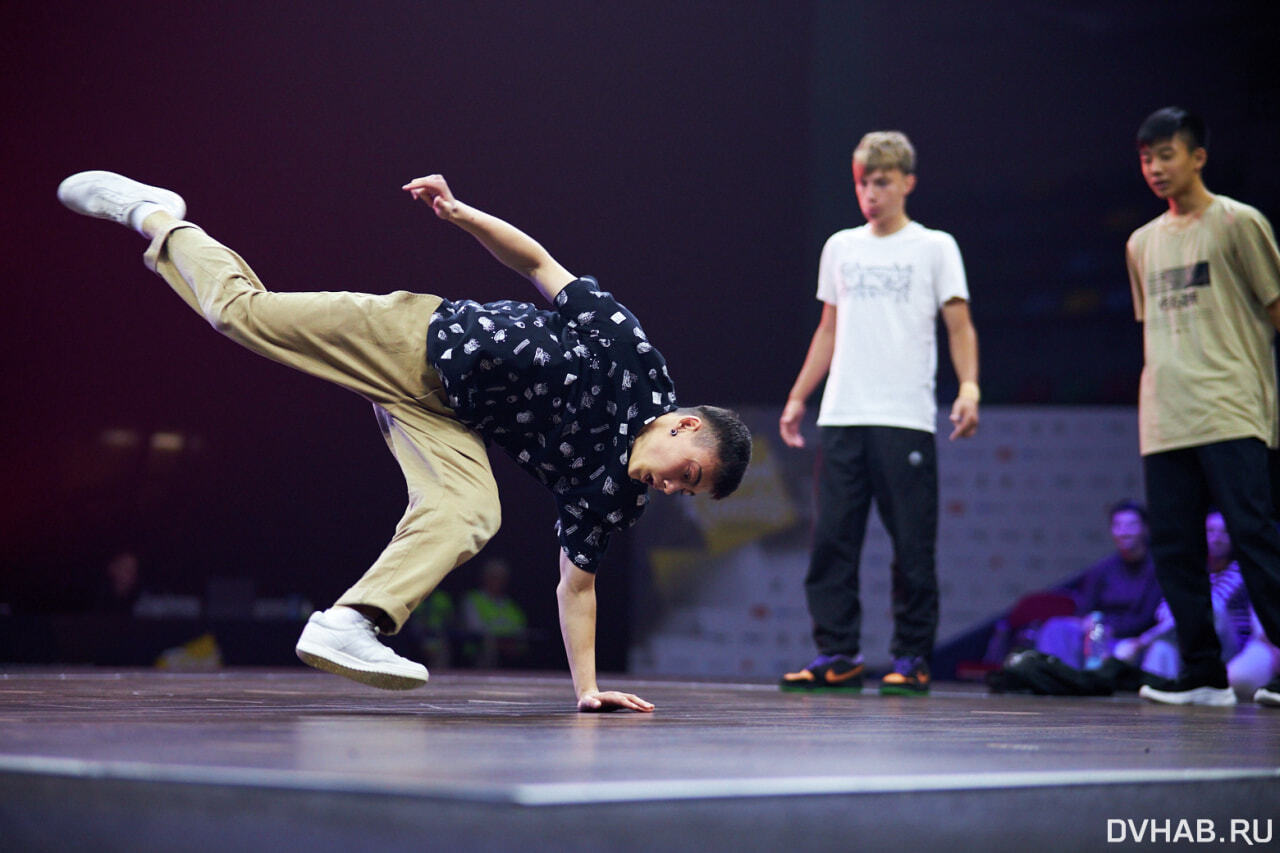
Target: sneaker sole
x: 902, y: 690
x: 350, y: 668
x: 1208, y: 697
x: 820, y: 688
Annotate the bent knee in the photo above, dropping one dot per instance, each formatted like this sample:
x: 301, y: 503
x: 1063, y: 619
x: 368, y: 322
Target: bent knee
x: 487, y: 515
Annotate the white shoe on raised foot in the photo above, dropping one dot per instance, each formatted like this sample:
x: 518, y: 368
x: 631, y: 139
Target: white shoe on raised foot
x: 342, y: 641
x: 106, y: 195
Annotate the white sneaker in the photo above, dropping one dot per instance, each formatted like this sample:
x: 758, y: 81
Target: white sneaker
x: 106, y: 195
x: 342, y: 641
x: 1204, y: 695
x: 1268, y: 694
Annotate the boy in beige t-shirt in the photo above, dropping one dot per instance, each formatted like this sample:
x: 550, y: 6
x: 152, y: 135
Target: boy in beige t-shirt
x: 1206, y: 286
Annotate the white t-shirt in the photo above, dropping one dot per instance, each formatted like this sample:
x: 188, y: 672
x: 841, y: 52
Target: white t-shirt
x: 887, y: 292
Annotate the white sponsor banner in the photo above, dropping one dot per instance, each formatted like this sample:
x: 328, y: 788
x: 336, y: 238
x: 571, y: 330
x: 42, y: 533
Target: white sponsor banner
x: 1023, y: 505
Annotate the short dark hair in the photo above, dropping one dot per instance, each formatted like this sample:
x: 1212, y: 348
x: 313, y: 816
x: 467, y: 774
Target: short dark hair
x: 1168, y: 122
x: 732, y: 441
x: 1127, y: 505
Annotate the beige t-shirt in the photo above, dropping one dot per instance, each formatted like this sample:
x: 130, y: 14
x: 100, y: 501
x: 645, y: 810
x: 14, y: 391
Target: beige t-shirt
x: 1201, y: 285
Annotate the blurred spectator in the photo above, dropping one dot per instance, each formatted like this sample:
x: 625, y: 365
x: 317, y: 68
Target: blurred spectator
x: 120, y: 584
x: 1122, y: 587
x: 493, y: 620
x: 433, y: 625
x: 1256, y: 664
x: 1156, y: 650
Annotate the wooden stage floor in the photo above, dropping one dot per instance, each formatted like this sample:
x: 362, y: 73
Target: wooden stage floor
x: 298, y: 760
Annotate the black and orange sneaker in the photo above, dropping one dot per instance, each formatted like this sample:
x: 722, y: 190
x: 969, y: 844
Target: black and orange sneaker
x: 909, y: 677
x: 835, y: 673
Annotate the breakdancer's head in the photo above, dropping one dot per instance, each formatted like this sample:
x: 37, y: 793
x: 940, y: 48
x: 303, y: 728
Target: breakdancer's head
x: 692, y: 451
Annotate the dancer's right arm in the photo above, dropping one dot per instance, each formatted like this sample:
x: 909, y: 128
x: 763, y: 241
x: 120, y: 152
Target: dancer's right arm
x: 576, y: 595
x: 816, y: 365
x: 504, y: 241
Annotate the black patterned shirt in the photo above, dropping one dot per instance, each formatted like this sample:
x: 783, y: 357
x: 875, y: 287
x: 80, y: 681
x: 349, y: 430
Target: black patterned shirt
x: 564, y: 393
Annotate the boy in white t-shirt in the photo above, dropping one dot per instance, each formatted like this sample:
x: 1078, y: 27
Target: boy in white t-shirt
x: 883, y: 286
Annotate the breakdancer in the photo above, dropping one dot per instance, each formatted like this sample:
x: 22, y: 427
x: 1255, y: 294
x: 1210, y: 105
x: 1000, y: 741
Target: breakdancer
x: 578, y: 396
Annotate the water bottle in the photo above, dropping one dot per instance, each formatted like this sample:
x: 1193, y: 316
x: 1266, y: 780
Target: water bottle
x: 1095, y: 640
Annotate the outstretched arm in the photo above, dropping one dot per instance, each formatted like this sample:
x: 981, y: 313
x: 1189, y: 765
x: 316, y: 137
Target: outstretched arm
x: 576, y: 595
x: 504, y: 241
x: 963, y: 340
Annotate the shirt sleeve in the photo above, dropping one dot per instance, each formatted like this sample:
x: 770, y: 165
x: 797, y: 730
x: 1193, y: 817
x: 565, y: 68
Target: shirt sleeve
x: 583, y: 536
x: 829, y: 273
x: 1259, y: 259
x: 583, y: 304
x: 950, y: 280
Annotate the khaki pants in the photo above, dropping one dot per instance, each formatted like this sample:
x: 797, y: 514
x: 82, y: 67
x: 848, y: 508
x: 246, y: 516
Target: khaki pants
x: 376, y: 346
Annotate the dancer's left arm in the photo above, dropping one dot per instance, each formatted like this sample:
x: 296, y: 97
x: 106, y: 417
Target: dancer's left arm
x: 576, y: 595
x: 504, y: 241
x: 963, y: 341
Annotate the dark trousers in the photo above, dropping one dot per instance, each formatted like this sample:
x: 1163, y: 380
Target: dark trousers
x: 1182, y: 485
x: 898, y: 469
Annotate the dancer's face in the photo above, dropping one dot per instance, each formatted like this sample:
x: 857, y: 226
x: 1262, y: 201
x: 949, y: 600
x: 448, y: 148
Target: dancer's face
x: 1170, y: 168
x: 882, y: 193
x: 1129, y: 534
x: 673, y: 464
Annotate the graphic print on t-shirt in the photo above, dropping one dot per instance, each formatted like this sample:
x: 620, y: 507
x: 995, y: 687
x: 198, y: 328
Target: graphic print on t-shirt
x: 1172, y: 289
x: 891, y: 281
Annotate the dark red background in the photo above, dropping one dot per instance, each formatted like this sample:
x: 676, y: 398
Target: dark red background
x: 693, y: 156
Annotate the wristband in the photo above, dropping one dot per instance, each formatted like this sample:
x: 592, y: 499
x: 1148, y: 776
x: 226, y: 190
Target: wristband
x: 969, y: 391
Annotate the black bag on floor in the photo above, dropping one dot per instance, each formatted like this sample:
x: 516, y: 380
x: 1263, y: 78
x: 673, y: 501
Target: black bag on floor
x: 1046, y: 675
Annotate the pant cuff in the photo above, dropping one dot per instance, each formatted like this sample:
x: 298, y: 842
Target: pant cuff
x: 152, y: 256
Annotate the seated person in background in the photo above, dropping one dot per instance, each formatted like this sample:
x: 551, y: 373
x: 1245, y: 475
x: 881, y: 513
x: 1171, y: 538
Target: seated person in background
x: 433, y: 625
x: 1156, y: 649
x: 493, y: 620
x: 1256, y: 664
x: 1151, y: 659
x: 120, y: 586
x: 1122, y: 587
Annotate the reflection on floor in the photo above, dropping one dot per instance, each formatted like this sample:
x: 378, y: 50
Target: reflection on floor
x: 242, y: 759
